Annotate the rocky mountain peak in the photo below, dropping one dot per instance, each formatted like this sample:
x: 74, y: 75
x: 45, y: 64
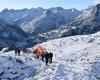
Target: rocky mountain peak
x: 98, y: 9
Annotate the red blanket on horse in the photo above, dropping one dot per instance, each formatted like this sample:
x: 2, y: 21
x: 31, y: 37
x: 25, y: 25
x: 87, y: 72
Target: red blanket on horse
x: 39, y: 51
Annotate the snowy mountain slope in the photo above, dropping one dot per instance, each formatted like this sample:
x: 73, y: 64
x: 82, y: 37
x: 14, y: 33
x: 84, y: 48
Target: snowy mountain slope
x: 86, y: 23
x: 10, y: 34
x: 32, y: 20
x: 75, y: 58
x: 15, y: 68
x: 54, y: 34
x: 52, y: 19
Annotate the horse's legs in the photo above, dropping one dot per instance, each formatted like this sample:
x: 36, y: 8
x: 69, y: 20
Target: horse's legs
x: 46, y: 61
x: 18, y: 53
x: 37, y: 56
x: 42, y: 58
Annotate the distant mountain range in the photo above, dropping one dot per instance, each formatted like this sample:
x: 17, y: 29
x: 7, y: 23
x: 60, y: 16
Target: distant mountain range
x: 46, y: 24
x: 39, y: 20
x: 86, y: 23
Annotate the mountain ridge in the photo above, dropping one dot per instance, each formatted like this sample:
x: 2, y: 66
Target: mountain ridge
x: 28, y: 20
x: 11, y: 35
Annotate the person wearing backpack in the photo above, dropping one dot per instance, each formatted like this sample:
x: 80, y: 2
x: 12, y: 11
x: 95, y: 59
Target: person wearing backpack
x: 50, y: 57
x: 46, y: 58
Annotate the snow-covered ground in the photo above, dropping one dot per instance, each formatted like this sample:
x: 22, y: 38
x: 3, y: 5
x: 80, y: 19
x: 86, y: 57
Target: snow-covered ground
x: 75, y: 58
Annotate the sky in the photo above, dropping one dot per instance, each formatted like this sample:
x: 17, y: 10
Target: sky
x: 20, y: 4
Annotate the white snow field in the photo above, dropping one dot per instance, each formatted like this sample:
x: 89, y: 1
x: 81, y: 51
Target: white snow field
x: 75, y: 58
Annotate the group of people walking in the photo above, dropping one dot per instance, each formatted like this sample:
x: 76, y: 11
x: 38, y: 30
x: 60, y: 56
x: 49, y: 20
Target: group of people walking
x: 46, y: 56
x: 39, y: 52
x: 17, y: 52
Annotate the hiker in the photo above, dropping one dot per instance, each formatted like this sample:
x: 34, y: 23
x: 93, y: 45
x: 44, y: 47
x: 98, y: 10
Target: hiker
x: 50, y: 57
x: 19, y: 52
x: 15, y: 52
x: 46, y: 58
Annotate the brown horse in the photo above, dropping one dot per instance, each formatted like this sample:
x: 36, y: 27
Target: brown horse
x: 39, y: 52
x: 38, y: 55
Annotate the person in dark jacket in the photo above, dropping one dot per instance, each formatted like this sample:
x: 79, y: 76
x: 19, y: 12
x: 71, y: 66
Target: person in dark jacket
x: 46, y: 58
x: 19, y: 52
x: 50, y: 57
x: 16, y: 52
